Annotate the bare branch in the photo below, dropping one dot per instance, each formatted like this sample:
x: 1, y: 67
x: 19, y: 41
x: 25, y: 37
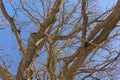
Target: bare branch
x: 11, y: 21
x: 111, y: 21
x: 5, y: 74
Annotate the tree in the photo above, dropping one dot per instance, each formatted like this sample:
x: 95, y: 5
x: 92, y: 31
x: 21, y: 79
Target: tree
x: 68, y: 35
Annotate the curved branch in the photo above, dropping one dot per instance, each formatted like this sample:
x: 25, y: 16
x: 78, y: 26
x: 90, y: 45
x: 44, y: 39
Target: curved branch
x: 5, y: 74
x: 110, y: 23
x: 32, y: 50
x: 11, y: 21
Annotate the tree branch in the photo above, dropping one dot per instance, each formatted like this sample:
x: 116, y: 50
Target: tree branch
x: 110, y: 22
x: 5, y: 74
x: 11, y: 21
x: 33, y: 49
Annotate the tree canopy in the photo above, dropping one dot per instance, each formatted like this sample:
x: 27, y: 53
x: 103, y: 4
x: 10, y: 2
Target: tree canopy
x: 59, y: 39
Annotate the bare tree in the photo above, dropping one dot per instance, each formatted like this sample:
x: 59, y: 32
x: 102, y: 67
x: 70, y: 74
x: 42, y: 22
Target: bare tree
x: 62, y: 39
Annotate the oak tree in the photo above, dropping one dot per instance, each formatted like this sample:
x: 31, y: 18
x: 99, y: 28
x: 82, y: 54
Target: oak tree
x: 60, y: 39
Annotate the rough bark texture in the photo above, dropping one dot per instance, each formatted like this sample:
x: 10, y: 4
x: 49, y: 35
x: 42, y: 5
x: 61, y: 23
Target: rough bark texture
x: 109, y: 25
x: 5, y: 74
x: 73, y: 63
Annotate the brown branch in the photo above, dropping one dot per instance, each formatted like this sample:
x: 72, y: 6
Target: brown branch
x: 11, y: 21
x: 110, y: 22
x: 69, y: 36
x: 35, y: 20
x: 33, y: 50
x: 101, y: 15
x: 50, y: 20
x: 85, y: 19
x: 5, y: 74
x: 103, y: 24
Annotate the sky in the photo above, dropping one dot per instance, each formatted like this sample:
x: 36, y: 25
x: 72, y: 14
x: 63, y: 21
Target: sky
x: 8, y: 40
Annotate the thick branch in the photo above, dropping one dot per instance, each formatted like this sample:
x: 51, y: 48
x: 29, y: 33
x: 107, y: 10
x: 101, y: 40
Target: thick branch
x: 11, y: 21
x: 111, y: 21
x: 33, y: 49
x: 5, y: 74
x: 51, y: 19
x: 85, y: 19
x: 104, y: 23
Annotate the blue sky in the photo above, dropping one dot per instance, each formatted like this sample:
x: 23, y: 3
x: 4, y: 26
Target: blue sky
x: 8, y: 40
